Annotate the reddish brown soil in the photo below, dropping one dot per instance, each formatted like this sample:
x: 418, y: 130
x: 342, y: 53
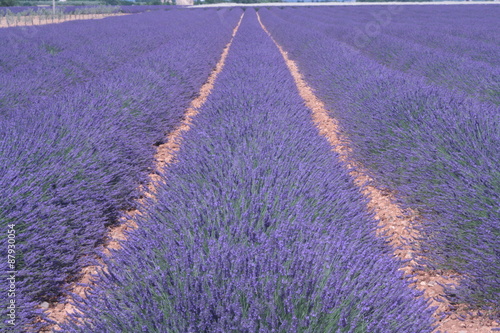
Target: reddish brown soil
x: 397, y: 223
x: 38, y: 20
x: 164, y: 156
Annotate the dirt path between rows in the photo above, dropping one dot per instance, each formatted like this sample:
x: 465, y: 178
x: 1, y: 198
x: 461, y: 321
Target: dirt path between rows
x: 38, y: 20
x: 165, y: 155
x: 394, y: 221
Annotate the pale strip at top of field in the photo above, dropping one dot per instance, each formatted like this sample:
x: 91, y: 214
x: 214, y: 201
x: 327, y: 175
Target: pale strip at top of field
x: 351, y: 3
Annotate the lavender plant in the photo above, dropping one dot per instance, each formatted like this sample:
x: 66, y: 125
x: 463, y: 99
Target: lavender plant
x: 71, y: 161
x: 437, y: 147
x: 418, y: 46
x: 256, y: 228
x: 70, y: 9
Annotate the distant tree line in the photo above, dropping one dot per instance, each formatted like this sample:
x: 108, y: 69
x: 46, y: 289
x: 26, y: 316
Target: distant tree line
x: 8, y: 3
x: 142, y: 2
x: 198, y: 2
x: 393, y: 0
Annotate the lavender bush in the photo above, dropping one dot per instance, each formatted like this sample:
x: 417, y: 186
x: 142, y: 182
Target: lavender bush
x: 71, y: 9
x: 477, y: 42
x: 77, y: 138
x: 14, y: 16
x: 256, y: 228
x: 436, y: 146
x: 58, y: 60
x: 420, y: 46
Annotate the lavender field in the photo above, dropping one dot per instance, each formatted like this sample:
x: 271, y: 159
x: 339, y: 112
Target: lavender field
x: 256, y: 224
x: 80, y: 115
x: 423, y: 117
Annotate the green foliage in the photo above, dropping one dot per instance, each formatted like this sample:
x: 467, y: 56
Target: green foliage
x: 8, y: 3
x: 198, y: 2
x: 391, y: 0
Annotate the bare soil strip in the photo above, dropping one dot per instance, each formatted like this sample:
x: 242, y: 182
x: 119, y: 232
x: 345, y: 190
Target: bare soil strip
x: 39, y: 20
x: 394, y: 221
x: 165, y: 155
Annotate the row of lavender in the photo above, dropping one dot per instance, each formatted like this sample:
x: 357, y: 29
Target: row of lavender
x: 25, y: 9
x: 78, y: 124
x: 412, y: 24
x: 39, y: 61
x: 28, y: 14
x: 404, y: 40
x: 434, y: 144
x: 256, y: 228
x: 82, y: 9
